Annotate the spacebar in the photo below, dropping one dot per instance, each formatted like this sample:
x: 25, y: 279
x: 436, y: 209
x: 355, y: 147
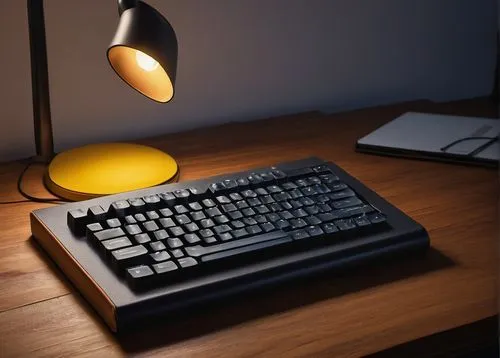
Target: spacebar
x: 244, y: 249
x: 198, y: 250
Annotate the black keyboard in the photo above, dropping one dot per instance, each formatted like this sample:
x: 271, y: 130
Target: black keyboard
x: 156, y: 250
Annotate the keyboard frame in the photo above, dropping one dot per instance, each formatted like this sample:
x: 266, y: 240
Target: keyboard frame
x: 122, y: 308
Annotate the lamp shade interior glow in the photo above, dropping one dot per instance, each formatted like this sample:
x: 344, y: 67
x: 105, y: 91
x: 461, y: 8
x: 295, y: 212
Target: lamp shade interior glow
x: 146, y: 62
x: 142, y: 72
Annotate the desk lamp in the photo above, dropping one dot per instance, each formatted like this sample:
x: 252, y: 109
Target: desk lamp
x: 143, y: 53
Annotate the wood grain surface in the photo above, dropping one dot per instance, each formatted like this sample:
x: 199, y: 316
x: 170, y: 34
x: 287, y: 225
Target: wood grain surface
x: 346, y: 315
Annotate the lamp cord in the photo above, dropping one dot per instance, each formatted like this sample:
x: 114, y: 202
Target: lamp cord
x: 28, y: 197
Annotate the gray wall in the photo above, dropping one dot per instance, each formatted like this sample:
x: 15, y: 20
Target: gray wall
x: 245, y: 59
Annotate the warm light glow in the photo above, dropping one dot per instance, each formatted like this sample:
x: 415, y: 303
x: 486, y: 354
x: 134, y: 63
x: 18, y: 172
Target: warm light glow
x: 147, y: 63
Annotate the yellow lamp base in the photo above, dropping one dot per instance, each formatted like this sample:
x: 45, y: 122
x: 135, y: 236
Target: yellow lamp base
x: 102, y: 169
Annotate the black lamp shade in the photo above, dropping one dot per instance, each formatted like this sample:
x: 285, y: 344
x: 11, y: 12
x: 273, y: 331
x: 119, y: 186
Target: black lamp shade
x: 144, y: 52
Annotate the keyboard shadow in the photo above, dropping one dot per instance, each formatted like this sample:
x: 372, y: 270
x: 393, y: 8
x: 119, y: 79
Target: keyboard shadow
x: 236, y: 310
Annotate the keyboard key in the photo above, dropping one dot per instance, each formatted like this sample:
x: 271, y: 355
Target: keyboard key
x: 76, y: 220
x: 230, y: 183
x: 248, y: 212
x: 164, y: 267
x: 139, y: 271
x: 314, y: 231
x: 274, y: 189
x: 167, y: 222
x: 180, y: 209
x: 166, y: 212
x: 313, y: 220
x: 297, y: 223
x: 266, y: 227
x: 260, y: 219
x: 140, y: 217
x: 168, y: 198
x: 207, y: 223
x: 261, y: 191
x: 182, y: 194
x: 211, y: 212
x: 267, y: 199
x: 114, y: 244
x: 235, y: 196
x: 96, y: 213
x: 208, y: 203
x: 329, y: 228
x: 128, y: 256
x: 299, y: 234
x: 323, y: 168
x: 254, y: 179
x: 229, y: 208
x: 157, y: 246
x: 108, y: 234
x: 177, y: 253
x: 222, y: 199
x: 262, y: 209
x: 237, y: 224
x: 137, y: 204
x: 216, y: 187
x: 225, y: 236
x: 312, y: 210
x: 187, y: 262
x: 254, y: 229
x: 142, y: 238
x: 353, y: 201
x: 241, y: 204
x: 239, y: 233
x: 299, y: 213
x: 160, y: 256
x: 151, y: 201
x: 176, y: 231
x: 254, y: 201
x: 120, y: 208
x: 337, y: 186
x: 152, y: 215
x: 150, y: 226
x: 222, y: 228
x: 345, y: 225
x: 362, y: 221
x: 242, y: 182
x: 129, y: 219
x: 160, y: 235
x: 306, y: 201
x: 174, y: 242
x: 209, y: 240
x: 277, y: 174
x: 286, y: 215
x: 313, y: 180
x: 282, y: 224
x: 191, y: 227
x: 266, y: 177
x: 221, y: 219
x: 289, y: 185
x: 195, y: 206
x: 182, y: 219
x: 328, y: 178
x: 206, y: 233
x: 249, y: 193
x: 249, y: 221
x: 234, y: 215
x: 192, y: 238
x: 198, y: 215
x: 273, y: 217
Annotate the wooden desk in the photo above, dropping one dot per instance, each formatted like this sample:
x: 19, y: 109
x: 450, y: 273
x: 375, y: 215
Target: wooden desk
x: 361, y: 312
